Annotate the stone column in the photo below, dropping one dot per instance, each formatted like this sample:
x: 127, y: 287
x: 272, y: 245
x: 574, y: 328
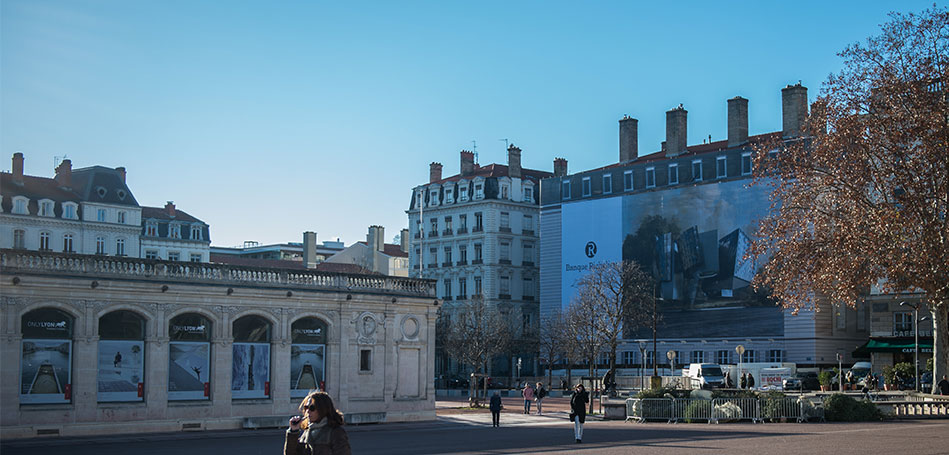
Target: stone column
x: 222, y: 353
x: 156, y: 374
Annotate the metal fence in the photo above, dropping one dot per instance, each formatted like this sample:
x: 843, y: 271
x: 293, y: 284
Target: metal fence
x: 691, y: 410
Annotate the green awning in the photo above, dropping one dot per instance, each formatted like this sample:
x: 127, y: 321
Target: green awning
x: 906, y: 345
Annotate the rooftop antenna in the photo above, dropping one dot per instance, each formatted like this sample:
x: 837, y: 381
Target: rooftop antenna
x: 57, y: 160
x: 474, y: 150
x: 506, y: 144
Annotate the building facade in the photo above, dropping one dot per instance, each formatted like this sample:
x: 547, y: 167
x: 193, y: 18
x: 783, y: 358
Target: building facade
x: 170, y: 233
x: 687, y: 214
x: 103, y: 345
x: 475, y: 234
x: 375, y: 255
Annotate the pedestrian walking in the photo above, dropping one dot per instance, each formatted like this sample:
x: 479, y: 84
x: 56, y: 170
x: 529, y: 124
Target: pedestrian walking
x: 539, y: 396
x: 495, y: 408
x: 943, y: 385
x: 578, y: 410
x: 751, y: 381
x: 728, y: 381
x: 528, y: 394
x: 743, y: 381
x: 320, y: 432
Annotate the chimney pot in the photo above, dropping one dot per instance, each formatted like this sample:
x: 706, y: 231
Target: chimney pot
x: 404, y: 240
x: 737, y: 121
x: 434, y: 172
x: 676, y: 131
x: 309, y: 249
x: 628, y: 139
x: 513, y: 162
x: 170, y: 208
x: 121, y: 171
x: 793, y: 109
x: 560, y: 167
x: 64, y: 174
x: 467, y: 163
x: 18, y: 167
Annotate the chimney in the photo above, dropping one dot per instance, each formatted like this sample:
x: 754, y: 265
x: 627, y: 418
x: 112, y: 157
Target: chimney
x: 434, y: 172
x: 793, y: 109
x: 64, y: 174
x: 467, y: 163
x: 628, y: 139
x: 309, y: 249
x: 676, y: 131
x: 737, y: 121
x: 121, y: 171
x: 376, y: 239
x: 560, y: 167
x: 18, y: 167
x: 404, y: 240
x: 513, y: 162
x: 170, y: 208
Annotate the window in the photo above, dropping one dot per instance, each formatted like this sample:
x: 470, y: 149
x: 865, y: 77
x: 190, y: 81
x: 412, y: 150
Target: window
x: 463, y: 193
x: 505, y: 222
x: 433, y: 197
x: 447, y: 256
x: 151, y: 229
x: 528, y: 258
x: 861, y: 316
x: 121, y: 375
x: 650, y: 358
x: 479, y: 190
x: 673, y: 174
x: 251, y: 359
x: 749, y: 356
x: 120, y: 247
x: 477, y: 285
x: 902, y: 323
x: 720, y: 170
x: 585, y: 186
x: 528, y: 194
x: 479, y: 225
x: 447, y: 294
x: 505, y: 287
x: 448, y: 225
x: 195, y: 257
x: 19, y: 205
x: 67, y: 243
x: 173, y: 256
x: 650, y: 177
x: 607, y: 183
x: 696, y: 170
x: 676, y: 360
x: 697, y: 357
x: 100, y: 245
x: 504, y: 191
x: 505, y: 251
x: 174, y: 231
x: 307, y: 351
x: 189, y: 357
x: 46, y: 356
x: 462, y: 254
x: 44, y: 241
x: 528, y: 291
x: 525, y: 322
x: 746, y: 163
x: 477, y: 253
x: 723, y: 357
x: 840, y: 315
x: 100, y: 215
x: 19, y: 239
x: 365, y: 360
x: 195, y: 232
x: 462, y: 288
x: 462, y: 223
x: 566, y: 189
x: 629, y: 358
x: 628, y: 181
x: 120, y: 217
x: 775, y: 355
x: 151, y: 254
x: 528, y: 223
x: 46, y: 208
x: 432, y: 257
x: 434, y: 223
x: 69, y: 211
x: 418, y: 199
x: 449, y: 195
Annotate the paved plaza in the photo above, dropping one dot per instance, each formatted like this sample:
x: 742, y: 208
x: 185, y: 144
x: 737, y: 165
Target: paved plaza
x: 458, y: 431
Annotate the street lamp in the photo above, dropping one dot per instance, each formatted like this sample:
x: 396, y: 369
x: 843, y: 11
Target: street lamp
x: 916, y: 321
x: 642, y: 365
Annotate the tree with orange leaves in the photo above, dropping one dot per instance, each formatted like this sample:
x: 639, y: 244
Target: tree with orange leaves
x: 862, y: 198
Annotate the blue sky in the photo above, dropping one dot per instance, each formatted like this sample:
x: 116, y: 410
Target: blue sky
x: 266, y: 119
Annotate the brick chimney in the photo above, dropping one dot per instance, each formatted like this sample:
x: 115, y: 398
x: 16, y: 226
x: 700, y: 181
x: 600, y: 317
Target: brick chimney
x: 793, y: 109
x: 467, y: 163
x: 737, y: 121
x: 628, y: 139
x: 434, y: 172
x: 376, y: 239
x: 170, y: 208
x: 560, y: 167
x: 676, y: 131
x: 513, y: 162
x: 309, y: 249
x: 404, y: 240
x: 18, y: 167
x: 64, y: 174
x: 121, y: 171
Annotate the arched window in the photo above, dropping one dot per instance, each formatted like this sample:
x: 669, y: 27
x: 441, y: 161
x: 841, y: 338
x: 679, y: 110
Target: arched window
x: 250, y: 374
x: 121, y: 359
x: 46, y: 360
x: 189, y: 357
x: 307, y: 356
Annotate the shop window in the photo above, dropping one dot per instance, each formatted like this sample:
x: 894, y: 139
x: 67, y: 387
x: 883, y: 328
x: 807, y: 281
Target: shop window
x: 307, y: 356
x: 250, y: 371
x: 121, y: 358
x: 46, y: 357
x: 189, y: 358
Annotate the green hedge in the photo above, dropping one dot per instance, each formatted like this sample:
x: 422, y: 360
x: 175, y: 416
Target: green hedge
x: 841, y: 408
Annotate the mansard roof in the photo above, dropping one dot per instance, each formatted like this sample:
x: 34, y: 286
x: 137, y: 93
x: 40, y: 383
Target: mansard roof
x: 101, y: 184
x: 496, y: 170
x: 390, y: 249
x: 35, y: 188
x: 158, y: 213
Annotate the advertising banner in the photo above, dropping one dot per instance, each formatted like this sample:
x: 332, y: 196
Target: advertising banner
x: 189, y: 370
x: 591, y: 233
x: 120, y: 374
x: 306, y: 368
x: 250, y: 375
x: 45, y: 371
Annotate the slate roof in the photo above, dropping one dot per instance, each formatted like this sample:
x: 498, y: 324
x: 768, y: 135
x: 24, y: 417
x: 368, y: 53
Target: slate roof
x: 393, y: 250
x: 158, y: 213
x: 495, y: 170
x: 93, y: 184
x: 102, y: 184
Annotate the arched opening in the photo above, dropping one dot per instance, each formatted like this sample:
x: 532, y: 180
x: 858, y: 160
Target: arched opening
x: 307, y: 356
x: 46, y: 359
x: 250, y: 373
x: 121, y: 359
x: 189, y: 357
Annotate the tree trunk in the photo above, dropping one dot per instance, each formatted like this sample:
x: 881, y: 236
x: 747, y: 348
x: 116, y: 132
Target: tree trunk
x: 940, y: 315
x: 569, y: 375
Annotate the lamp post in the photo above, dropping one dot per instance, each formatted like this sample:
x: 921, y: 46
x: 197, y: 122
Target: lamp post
x: 840, y: 372
x: 642, y: 365
x: 916, y: 320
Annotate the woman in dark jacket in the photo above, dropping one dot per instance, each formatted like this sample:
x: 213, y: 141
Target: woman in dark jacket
x: 578, y: 410
x: 320, y: 432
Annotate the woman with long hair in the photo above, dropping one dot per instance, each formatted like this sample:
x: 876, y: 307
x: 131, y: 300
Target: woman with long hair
x: 320, y: 432
x: 578, y: 410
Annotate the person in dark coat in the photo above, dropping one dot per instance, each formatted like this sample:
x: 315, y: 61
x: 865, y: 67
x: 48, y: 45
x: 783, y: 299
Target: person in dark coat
x: 743, y: 381
x: 578, y: 410
x: 320, y: 432
x: 729, y: 384
x: 943, y: 385
x: 495, y: 408
x: 751, y: 381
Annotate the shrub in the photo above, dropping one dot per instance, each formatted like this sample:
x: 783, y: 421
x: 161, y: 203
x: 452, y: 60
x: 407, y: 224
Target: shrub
x: 662, y: 392
x: 737, y: 393
x: 698, y: 410
x: 889, y: 375
x: 905, y: 369
x: 824, y: 378
x: 841, y: 408
x: 772, y: 404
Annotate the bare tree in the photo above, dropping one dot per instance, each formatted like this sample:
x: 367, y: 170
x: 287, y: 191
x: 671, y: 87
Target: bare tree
x: 550, y: 342
x: 476, y: 332
x: 862, y: 199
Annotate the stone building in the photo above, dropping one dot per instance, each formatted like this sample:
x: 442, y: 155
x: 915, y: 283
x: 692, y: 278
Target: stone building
x: 475, y: 234
x: 172, y: 234
x: 375, y: 255
x: 687, y: 214
x: 101, y: 345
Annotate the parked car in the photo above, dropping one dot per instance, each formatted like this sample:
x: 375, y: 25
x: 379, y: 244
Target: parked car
x: 806, y: 380
x: 456, y: 382
x: 926, y: 381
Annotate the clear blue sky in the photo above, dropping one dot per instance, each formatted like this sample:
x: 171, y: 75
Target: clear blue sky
x: 266, y: 119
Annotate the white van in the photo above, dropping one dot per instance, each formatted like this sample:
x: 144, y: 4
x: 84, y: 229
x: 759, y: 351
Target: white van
x: 705, y: 375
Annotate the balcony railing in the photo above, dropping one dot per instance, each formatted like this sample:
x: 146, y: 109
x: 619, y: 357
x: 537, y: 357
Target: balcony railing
x: 462, y: 230
x: 477, y: 229
x: 476, y: 261
x: 461, y: 263
x: 446, y: 232
x: 527, y: 232
x: 59, y: 264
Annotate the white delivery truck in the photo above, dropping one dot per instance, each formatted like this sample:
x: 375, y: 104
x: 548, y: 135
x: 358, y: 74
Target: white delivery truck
x: 705, y: 375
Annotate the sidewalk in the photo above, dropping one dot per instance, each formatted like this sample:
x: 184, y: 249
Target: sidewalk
x: 556, y: 411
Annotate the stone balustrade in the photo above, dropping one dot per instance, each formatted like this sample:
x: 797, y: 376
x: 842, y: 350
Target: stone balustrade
x: 35, y: 262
